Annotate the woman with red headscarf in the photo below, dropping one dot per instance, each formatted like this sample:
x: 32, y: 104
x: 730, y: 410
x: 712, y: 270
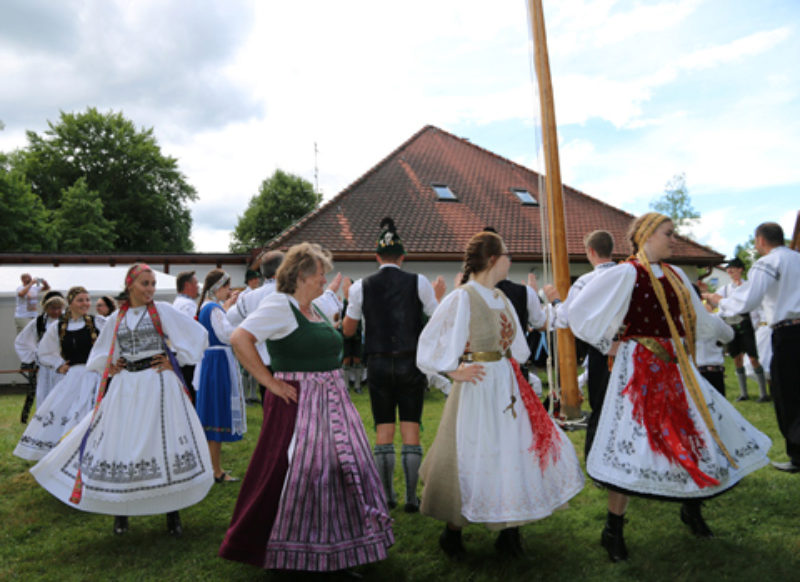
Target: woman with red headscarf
x: 142, y: 450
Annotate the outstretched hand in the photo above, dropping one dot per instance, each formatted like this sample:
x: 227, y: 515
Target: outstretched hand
x: 439, y: 288
x: 337, y: 281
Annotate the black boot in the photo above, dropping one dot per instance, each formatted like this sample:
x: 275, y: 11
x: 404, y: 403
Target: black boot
x: 692, y: 516
x: 174, y: 524
x: 450, y: 541
x: 509, y: 543
x: 120, y: 524
x: 612, y: 539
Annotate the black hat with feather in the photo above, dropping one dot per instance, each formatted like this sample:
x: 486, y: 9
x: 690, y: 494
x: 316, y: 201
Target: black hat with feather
x: 389, y: 242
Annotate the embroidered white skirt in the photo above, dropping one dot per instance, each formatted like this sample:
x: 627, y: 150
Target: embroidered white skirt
x: 68, y: 402
x: 499, y: 480
x: 145, y: 454
x: 622, y: 456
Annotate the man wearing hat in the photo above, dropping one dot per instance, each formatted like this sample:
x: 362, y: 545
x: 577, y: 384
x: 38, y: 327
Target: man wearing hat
x: 744, y: 340
x: 775, y: 285
x: 392, y: 303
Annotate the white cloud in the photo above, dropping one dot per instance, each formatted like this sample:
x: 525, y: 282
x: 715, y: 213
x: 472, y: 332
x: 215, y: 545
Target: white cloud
x: 747, y: 46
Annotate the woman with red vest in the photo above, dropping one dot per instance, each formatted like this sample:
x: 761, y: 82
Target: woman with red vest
x: 664, y: 432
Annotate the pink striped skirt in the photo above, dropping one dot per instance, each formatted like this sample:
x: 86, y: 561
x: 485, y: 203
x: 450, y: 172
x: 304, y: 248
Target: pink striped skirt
x: 331, y: 513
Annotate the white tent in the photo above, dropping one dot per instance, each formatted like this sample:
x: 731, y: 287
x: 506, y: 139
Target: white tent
x: 98, y: 280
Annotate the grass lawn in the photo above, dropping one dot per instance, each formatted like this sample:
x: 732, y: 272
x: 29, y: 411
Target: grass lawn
x: 757, y: 527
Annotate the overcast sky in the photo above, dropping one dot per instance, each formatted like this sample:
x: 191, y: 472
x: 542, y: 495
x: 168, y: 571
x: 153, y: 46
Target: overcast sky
x: 235, y: 89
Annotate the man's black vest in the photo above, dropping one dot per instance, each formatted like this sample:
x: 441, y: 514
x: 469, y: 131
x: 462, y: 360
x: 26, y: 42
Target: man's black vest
x: 392, y: 312
x: 518, y: 295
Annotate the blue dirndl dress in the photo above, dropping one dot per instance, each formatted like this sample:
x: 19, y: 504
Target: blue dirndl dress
x: 220, y: 400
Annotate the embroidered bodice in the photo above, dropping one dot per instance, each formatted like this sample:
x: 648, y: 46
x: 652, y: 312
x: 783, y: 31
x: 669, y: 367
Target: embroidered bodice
x: 141, y: 341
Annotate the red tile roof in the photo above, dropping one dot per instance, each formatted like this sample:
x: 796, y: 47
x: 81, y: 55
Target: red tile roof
x: 400, y: 186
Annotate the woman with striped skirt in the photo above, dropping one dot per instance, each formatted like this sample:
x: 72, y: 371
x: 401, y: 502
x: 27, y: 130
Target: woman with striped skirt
x: 311, y: 499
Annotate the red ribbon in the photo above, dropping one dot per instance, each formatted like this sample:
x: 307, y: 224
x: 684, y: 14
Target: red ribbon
x: 546, y: 436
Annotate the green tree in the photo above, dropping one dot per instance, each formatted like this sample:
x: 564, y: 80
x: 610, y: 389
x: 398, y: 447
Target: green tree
x: 23, y: 218
x: 142, y: 191
x: 79, y: 225
x: 677, y: 204
x: 282, y: 199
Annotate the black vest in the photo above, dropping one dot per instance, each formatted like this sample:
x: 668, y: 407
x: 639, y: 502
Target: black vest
x: 518, y: 295
x: 392, y: 312
x: 76, y: 345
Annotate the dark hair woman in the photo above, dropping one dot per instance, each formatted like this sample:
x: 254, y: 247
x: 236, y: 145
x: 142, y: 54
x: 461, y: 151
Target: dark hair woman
x: 497, y: 458
x: 220, y: 400
x: 105, y: 306
x: 142, y: 450
x: 664, y: 431
x: 65, y: 348
x: 311, y: 498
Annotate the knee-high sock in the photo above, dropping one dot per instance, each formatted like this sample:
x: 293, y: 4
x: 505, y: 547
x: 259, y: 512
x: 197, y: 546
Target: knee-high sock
x: 384, y: 459
x: 762, y: 381
x: 357, y: 373
x: 740, y: 375
x: 411, y: 457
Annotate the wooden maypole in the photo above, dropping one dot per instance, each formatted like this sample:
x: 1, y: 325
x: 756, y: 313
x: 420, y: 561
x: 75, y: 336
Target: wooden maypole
x: 567, y: 358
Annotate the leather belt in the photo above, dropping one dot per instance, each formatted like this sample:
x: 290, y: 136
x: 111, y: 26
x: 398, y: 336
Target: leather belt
x: 658, y: 350
x: 140, y: 365
x: 484, y: 356
x: 786, y: 323
x: 710, y: 368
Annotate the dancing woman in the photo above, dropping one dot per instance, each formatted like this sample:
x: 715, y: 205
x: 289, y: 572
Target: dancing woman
x: 27, y: 342
x: 498, y: 458
x: 142, y: 449
x: 220, y: 401
x: 64, y: 348
x: 664, y: 431
x: 311, y: 498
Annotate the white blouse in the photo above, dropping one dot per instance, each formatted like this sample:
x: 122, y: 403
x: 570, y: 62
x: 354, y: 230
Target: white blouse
x: 597, y: 312
x: 444, y: 338
x: 187, y: 338
x: 26, y: 343
x: 274, y: 319
x: 50, y: 346
x: 220, y: 324
x: 774, y: 280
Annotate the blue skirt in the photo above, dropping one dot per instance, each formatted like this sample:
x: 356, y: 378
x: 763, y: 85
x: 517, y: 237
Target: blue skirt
x: 220, y: 401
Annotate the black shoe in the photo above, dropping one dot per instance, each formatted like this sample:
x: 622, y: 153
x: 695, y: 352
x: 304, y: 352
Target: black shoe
x: 120, y: 524
x: 412, y: 507
x: 788, y: 466
x: 691, y: 516
x: 225, y: 478
x: 614, y: 545
x: 450, y: 542
x: 741, y: 398
x: 174, y: 524
x: 764, y: 398
x: 509, y: 543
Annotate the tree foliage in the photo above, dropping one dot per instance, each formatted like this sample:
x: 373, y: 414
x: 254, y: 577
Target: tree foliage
x: 282, y: 199
x: 24, y: 221
x: 79, y: 225
x: 677, y: 204
x: 142, y: 192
